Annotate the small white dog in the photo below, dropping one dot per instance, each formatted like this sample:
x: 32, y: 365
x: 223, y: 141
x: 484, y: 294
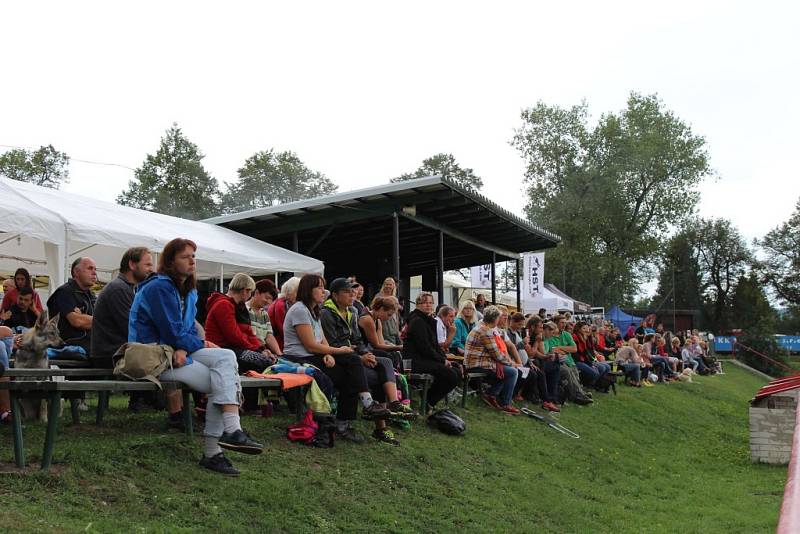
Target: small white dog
x: 686, y: 375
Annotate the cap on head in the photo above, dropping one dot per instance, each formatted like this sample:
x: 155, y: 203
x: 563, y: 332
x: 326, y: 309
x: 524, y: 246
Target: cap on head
x: 340, y: 284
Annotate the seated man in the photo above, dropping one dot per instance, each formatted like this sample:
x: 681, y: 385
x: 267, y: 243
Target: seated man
x: 258, y: 304
x: 422, y: 347
x: 339, y: 320
x: 560, y: 343
x: 74, y: 303
x: 22, y: 315
x: 445, y: 327
x: 110, y: 326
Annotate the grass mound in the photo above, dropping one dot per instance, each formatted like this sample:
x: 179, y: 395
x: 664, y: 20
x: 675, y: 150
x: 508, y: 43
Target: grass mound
x: 664, y: 459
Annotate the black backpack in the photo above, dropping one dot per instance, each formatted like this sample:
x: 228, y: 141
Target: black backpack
x: 447, y: 422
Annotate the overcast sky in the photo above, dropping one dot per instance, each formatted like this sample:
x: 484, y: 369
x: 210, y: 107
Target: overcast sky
x: 363, y: 91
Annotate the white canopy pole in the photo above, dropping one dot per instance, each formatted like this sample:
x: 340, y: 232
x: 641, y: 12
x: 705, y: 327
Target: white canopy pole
x: 221, y: 276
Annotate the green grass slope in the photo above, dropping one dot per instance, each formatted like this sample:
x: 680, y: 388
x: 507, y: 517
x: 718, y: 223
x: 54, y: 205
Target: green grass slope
x: 672, y: 458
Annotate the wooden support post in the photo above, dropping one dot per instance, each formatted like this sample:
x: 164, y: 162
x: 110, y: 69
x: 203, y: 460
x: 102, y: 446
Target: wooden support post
x: 53, y: 408
x: 440, y: 269
x: 16, y: 429
x: 396, y: 246
x: 494, y: 281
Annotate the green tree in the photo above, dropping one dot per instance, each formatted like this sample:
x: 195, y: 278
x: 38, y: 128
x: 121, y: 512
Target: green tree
x: 781, y: 266
x: 723, y: 258
x: 679, y: 264
x: 173, y: 181
x: 268, y: 178
x: 612, y: 191
x: 44, y: 166
x: 444, y: 165
x: 749, y: 305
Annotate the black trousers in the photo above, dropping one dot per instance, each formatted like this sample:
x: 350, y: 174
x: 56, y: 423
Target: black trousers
x: 348, y: 378
x: 445, y: 379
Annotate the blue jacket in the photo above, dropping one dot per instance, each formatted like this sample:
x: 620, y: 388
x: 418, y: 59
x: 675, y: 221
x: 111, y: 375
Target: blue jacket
x: 156, y: 315
x: 462, y: 331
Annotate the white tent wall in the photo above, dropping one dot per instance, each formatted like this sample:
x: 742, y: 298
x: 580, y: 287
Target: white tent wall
x: 42, y: 217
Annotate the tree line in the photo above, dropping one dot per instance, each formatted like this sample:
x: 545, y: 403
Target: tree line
x: 621, y: 191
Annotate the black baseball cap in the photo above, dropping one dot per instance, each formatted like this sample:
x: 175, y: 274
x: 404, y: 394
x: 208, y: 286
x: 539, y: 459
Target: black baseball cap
x: 340, y: 284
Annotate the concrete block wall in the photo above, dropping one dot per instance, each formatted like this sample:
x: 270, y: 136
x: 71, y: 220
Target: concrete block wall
x: 772, y: 423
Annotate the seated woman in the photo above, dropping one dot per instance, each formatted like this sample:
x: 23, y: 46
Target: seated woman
x: 586, y: 360
x: 339, y: 324
x: 305, y: 342
x: 661, y: 365
x: 163, y: 312
x: 278, y: 309
x: 371, y: 326
x: 661, y: 350
x: 570, y: 378
x: 483, y: 354
x: 391, y: 326
x: 628, y: 358
x: 546, y: 366
x: 228, y: 325
x: 421, y: 346
x: 466, y: 320
x: 690, y: 358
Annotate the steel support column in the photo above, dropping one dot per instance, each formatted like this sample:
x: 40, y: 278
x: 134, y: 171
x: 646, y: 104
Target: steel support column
x: 440, y: 268
x: 494, y: 281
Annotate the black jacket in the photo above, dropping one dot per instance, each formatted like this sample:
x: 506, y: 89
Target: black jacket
x: 338, y: 332
x: 420, y: 342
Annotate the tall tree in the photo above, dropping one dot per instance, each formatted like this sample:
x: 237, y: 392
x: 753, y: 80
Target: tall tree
x: 612, y: 191
x: 723, y: 257
x: 44, y: 166
x: 749, y: 305
x: 679, y: 271
x: 445, y: 165
x: 781, y: 266
x: 268, y: 178
x: 173, y: 181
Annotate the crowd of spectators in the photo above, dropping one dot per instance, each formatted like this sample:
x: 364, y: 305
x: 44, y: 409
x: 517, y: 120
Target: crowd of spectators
x: 358, y: 353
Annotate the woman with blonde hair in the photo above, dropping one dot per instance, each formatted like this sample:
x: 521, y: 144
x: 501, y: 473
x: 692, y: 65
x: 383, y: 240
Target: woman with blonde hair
x: 466, y: 320
x: 391, y: 326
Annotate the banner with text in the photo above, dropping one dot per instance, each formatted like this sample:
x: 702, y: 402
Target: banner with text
x: 532, y: 279
x: 481, y: 276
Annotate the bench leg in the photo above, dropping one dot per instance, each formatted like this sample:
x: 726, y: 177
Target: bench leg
x: 299, y: 403
x: 53, y: 407
x: 102, y: 406
x: 16, y: 428
x: 464, y: 388
x: 186, y: 413
x: 73, y: 408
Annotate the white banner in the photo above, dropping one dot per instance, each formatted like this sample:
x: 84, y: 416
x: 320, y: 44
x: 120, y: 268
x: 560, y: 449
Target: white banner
x: 481, y: 276
x: 532, y: 278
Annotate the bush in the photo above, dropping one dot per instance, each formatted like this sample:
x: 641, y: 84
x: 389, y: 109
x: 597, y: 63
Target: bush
x: 761, y: 338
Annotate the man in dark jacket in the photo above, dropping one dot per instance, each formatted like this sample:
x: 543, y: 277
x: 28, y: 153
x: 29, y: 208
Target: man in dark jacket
x: 422, y: 347
x: 339, y: 320
x: 74, y: 303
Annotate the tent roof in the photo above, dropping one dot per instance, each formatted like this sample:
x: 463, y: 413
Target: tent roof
x: 473, y: 226
x: 31, y: 216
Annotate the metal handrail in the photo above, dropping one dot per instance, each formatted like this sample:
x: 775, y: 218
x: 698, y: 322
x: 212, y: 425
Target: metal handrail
x: 789, y: 522
x: 788, y: 369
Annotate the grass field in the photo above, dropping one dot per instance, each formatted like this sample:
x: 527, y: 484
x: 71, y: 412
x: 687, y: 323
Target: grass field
x: 672, y: 458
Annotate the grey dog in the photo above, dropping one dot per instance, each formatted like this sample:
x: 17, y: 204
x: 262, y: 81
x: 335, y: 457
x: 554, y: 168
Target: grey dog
x: 32, y: 354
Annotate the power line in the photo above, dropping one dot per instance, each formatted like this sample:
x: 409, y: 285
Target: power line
x: 78, y: 159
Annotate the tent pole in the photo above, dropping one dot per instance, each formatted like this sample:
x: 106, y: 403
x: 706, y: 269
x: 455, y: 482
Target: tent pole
x: 221, y: 276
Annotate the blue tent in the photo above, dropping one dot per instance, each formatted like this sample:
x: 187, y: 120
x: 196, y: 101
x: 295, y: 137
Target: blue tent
x: 621, y: 319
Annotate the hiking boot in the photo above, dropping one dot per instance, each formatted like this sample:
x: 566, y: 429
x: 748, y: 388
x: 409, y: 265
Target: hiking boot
x: 550, y: 407
x: 583, y: 401
x: 509, y: 409
x: 490, y: 401
x: 375, y: 411
x: 175, y: 422
x: 385, y: 435
x: 350, y: 434
x: 404, y: 411
x: 220, y: 464
x: 240, y: 441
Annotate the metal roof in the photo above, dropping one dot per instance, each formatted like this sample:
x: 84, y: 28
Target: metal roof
x: 360, y: 223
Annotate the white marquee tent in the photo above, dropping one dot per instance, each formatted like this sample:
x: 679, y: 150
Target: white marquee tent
x: 46, y: 229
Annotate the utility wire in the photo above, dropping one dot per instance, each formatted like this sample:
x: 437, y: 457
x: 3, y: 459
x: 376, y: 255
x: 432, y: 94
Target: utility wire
x: 78, y: 159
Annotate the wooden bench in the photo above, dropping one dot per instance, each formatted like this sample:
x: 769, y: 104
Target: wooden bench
x: 468, y: 376
x: 421, y: 381
x: 53, y: 390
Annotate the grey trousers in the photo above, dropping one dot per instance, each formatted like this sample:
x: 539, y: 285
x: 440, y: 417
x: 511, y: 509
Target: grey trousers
x: 212, y: 371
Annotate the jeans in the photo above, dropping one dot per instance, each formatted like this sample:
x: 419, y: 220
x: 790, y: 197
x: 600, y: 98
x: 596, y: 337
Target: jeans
x: 504, y: 389
x: 588, y: 372
x: 632, y: 370
x: 212, y: 371
x: 694, y: 364
x: 6, y: 347
x: 662, y: 364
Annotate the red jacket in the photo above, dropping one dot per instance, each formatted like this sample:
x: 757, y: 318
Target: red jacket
x: 228, y: 326
x: 277, y: 313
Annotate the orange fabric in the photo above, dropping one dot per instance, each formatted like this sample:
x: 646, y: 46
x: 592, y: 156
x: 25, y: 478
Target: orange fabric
x: 288, y: 380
